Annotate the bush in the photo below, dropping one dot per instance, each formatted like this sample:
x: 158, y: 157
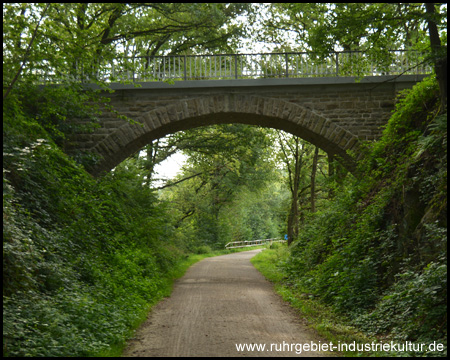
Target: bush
x: 203, y: 249
x: 83, y: 258
x: 377, y: 253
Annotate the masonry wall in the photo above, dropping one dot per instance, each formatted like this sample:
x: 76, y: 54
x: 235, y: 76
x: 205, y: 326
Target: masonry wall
x: 361, y: 109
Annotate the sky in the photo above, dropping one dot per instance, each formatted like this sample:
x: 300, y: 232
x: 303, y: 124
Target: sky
x: 169, y: 167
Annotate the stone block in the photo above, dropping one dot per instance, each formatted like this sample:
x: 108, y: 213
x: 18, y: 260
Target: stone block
x: 269, y: 106
x: 161, y: 113
x: 260, y: 106
x: 153, y: 119
x: 317, y: 124
x: 336, y: 112
x: 279, y: 108
x: 219, y: 105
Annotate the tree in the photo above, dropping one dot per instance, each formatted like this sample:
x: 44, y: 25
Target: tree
x: 304, y: 170
x: 292, y: 154
x: 26, y: 54
x: 374, y: 28
x: 226, y: 165
x: 439, y: 51
x: 313, y: 179
x: 59, y: 38
x: 324, y: 28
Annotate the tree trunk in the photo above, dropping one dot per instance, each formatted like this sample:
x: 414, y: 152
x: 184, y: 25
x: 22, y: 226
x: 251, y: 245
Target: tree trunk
x: 292, y: 230
x: 151, y: 150
x: 293, y: 214
x: 440, y: 62
x: 313, y: 179
x: 331, y: 170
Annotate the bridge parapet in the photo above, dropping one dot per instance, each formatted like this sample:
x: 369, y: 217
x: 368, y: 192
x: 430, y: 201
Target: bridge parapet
x: 237, y: 66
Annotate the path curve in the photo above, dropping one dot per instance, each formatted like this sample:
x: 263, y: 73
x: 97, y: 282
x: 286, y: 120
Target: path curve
x: 220, y: 302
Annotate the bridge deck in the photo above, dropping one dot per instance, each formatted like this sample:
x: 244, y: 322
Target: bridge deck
x: 197, y: 84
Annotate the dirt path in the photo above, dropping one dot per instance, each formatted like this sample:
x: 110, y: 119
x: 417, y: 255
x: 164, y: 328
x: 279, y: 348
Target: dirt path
x: 220, y: 302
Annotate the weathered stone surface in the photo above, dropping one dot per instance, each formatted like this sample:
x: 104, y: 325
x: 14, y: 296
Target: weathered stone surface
x: 336, y: 116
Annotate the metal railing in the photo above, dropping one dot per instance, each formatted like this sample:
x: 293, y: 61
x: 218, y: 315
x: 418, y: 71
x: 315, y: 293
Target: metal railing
x: 241, y: 244
x: 238, y: 66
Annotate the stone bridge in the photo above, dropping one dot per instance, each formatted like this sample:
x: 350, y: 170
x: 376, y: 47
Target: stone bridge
x: 334, y: 113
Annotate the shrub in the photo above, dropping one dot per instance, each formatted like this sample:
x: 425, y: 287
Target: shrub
x: 377, y: 252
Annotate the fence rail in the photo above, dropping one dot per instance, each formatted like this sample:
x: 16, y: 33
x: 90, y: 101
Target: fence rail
x: 238, y: 66
x: 241, y: 244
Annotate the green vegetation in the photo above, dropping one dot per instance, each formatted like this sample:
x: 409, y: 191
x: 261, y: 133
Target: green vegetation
x: 84, y: 259
x: 321, y: 317
x: 376, y: 254
x: 228, y: 190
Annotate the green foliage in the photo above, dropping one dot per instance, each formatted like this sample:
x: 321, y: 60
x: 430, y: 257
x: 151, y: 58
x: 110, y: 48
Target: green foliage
x: 52, y: 107
x: 330, y: 325
x: 83, y: 259
x: 377, y: 252
x: 415, y: 308
x: 323, y: 28
x: 77, y: 42
x: 203, y: 249
x: 413, y: 112
x: 225, y: 192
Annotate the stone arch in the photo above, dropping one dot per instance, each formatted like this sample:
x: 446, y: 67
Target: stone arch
x: 220, y: 109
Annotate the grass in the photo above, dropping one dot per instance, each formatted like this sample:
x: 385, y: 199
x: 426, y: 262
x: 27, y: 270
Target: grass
x: 176, y: 273
x: 320, y: 317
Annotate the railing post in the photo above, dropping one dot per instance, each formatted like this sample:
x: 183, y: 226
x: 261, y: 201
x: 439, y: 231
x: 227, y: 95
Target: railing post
x: 235, y: 67
x: 287, y: 65
x: 185, y: 72
x: 337, y: 64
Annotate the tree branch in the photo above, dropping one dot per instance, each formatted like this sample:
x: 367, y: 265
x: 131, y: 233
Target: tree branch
x: 177, y: 182
x: 27, y: 54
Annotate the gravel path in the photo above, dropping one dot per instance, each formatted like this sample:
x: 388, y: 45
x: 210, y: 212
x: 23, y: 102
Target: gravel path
x: 220, y: 302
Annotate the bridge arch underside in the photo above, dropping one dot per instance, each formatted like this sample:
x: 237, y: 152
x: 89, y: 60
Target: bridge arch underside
x: 192, y: 113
